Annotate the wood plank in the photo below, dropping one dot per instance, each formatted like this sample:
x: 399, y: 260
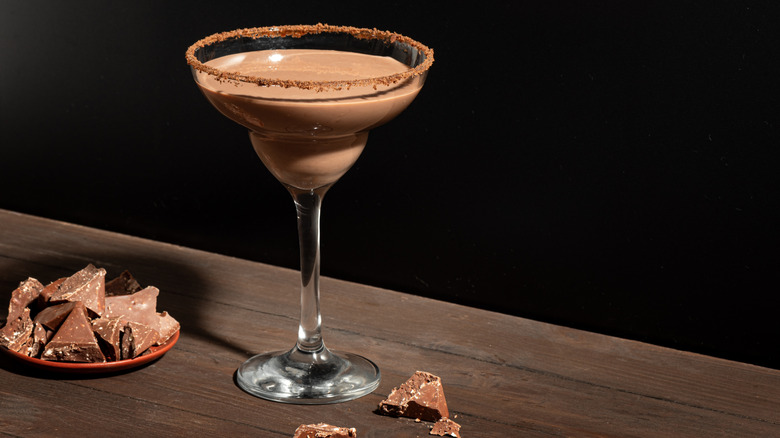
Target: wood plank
x: 503, y: 376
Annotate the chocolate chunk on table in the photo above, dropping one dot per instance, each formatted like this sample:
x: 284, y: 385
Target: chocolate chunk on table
x: 323, y: 430
x: 422, y: 396
x: 446, y: 427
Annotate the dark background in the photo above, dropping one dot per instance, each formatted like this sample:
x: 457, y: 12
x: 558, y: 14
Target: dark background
x: 590, y: 164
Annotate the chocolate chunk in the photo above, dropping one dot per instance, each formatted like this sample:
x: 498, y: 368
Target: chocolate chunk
x: 138, y: 307
x: 87, y: 286
x: 422, y: 397
x: 48, y: 291
x: 446, y: 427
x: 108, y: 332
x: 51, y: 317
x: 41, y: 336
x: 23, y: 297
x: 143, y: 337
x: 136, y: 339
x: 141, y: 307
x: 323, y: 430
x: 17, y: 331
x: 74, y: 341
x: 35, y: 344
x: 18, y: 327
x: 125, y: 284
x: 166, y: 328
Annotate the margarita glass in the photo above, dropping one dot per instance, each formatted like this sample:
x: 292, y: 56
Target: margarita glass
x: 309, y: 95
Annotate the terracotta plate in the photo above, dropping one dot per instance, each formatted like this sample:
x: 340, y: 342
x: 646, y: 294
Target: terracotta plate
x: 92, y: 368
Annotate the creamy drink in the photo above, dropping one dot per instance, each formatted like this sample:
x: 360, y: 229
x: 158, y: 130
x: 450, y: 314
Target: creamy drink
x: 309, y: 138
x: 309, y: 95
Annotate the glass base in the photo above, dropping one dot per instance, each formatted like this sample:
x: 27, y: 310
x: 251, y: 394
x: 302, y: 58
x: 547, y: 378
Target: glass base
x: 302, y: 377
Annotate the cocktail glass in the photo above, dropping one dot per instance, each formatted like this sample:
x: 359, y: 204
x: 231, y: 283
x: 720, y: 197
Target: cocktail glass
x: 309, y: 98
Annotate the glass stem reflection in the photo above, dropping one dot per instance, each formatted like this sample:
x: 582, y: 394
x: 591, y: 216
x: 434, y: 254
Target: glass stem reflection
x: 308, y: 204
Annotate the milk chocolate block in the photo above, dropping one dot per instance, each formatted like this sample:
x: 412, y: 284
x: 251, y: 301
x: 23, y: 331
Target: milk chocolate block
x: 18, y: 327
x: 322, y: 430
x: 125, y: 284
x: 74, y: 341
x: 22, y: 297
x: 88, y: 286
x: 136, y: 339
x: 108, y: 333
x: 48, y: 291
x: 51, y: 317
x: 37, y: 342
x: 446, y: 427
x: 167, y: 327
x: 141, y: 307
x: 422, y: 397
x: 17, y: 331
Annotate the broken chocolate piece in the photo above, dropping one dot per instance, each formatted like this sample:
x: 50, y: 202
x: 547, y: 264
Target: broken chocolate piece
x: 87, y: 286
x: 109, y: 331
x: 167, y: 327
x: 18, y: 327
x: 74, y: 341
x: 125, y: 284
x: 40, y: 337
x: 422, y: 397
x: 48, y: 291
x: 136, y: 339
x: 141, y: 307
x: 35, y: 344
x: 322, y: 430
x: 446, y: 427
x: 17, y: 331
x: 23, y: 297
x: 51, y: 317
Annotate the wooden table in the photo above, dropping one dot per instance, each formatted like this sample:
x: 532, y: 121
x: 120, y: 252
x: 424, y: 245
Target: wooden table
x: 503, y: 376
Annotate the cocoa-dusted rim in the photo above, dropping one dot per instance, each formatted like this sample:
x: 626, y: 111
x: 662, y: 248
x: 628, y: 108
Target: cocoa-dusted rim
x: 298, y: 31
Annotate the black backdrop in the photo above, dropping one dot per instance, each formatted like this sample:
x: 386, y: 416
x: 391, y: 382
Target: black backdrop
x: 590, y: 164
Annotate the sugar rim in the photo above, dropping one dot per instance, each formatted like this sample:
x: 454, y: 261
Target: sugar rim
x: 298, y: 31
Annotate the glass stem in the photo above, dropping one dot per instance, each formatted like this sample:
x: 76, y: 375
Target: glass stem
x: 308, y: 204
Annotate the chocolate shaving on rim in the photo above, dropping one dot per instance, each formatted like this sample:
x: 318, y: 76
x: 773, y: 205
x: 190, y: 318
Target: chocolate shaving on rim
x: 298, y: 31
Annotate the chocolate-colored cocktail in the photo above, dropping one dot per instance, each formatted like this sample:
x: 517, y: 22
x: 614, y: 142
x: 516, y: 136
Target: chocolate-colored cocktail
x: 309, y: 96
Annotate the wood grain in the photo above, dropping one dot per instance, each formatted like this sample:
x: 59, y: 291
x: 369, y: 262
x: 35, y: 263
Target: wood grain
x: 503, y: 376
